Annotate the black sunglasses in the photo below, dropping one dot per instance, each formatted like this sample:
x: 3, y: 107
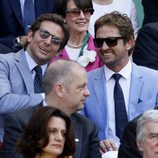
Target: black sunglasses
x: 76, y: 12
x: 110, y: 41
x: 44, y: 34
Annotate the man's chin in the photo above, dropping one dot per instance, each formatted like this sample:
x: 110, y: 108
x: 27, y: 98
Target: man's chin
x: 81, y: 107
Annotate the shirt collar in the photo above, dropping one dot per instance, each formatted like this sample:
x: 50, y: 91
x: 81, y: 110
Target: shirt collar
x: 125, y: 72
x: 33, y: 64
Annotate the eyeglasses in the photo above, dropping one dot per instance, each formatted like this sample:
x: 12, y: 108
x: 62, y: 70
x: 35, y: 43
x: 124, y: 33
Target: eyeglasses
x: 76, y: 12
x: 44, y: 34
x: 111, y: 41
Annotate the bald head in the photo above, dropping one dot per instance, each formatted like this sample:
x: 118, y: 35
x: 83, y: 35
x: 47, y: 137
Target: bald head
x: 61, y: 71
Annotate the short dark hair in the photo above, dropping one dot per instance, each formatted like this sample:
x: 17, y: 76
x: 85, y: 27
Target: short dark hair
x: 36, y: 135
x: 81, y: 4
x: 55, y: 18
x: 121, y: 21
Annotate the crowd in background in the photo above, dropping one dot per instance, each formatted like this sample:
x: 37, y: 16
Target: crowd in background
x: 86, y: 70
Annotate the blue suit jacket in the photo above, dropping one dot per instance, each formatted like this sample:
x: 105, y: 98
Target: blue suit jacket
x: 16, y: 85
x: 143, y: 96
x: 11, y: 21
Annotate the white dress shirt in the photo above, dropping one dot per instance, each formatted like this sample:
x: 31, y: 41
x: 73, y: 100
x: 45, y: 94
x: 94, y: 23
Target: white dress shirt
x: 124, y: 81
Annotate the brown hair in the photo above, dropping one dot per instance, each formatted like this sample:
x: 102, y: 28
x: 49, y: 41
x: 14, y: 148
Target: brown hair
x: 121, y: 21
x: 55, y: 18
x: 81, y: 4
x: 36, y: 135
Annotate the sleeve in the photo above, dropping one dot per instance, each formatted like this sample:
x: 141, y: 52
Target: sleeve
x: 9, y: 100
x: 94, y: 143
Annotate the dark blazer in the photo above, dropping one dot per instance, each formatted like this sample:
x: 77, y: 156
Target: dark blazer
x: 86, y: 140
x: 146, y: 48
x: 11, y: 22
x: 150, y: 11
x: 4, y: 49
x: 128, y: 147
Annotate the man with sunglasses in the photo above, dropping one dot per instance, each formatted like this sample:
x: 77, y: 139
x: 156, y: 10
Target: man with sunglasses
x: 21, y: 72
x: 120, y: 90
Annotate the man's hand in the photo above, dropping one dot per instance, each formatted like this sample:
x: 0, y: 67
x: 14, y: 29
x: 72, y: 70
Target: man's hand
x: 23, y: 41
x: 107, y: 145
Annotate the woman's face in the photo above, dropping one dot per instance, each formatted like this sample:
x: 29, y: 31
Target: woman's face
x: 56, y: 132
x: 77, y: 21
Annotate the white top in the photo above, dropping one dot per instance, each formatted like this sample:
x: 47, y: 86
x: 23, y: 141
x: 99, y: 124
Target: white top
x: 124, y: 81
x: 110, y: 154
x: 123, y: 6
x: 73, y: 53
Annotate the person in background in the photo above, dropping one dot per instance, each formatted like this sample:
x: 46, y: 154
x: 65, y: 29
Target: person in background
x: 150, y: 11
x: 128, y: 146
x: 120, y: 90
x: 80, y: 46
x: 21, y: 72
x: 47, y: 134
x: 102, y: 7
x: 145, y: 52
x: 65, y: 87
x: 147, y: 134
x: 12, y: 19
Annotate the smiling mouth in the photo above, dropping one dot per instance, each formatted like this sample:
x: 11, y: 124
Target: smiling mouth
x: 44, y: 50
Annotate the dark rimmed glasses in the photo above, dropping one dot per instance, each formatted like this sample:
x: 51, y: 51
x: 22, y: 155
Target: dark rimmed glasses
x: 44, y: 34
x: 110, y: 41
x: 76, y: 12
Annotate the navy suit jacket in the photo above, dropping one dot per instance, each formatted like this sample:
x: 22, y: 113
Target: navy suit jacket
x: 146, y: 48
x: 150, y: 11
x: 86, y: 135
x: 11, y: 21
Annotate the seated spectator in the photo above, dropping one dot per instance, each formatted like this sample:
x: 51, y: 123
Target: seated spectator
x: 145, y: 52
x: 48, y: 134
x: 21, y: 73
x: 147, y: 134
x: 65, y: 87
x: 15, y: 20
x: 120, y: 90
x: 102, y: 7
x: 80, y: 46
x: 150, y: 11
x: 128, y: 146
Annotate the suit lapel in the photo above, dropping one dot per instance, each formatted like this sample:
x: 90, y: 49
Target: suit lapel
x: 135, y: 90
x: 22, y: 65
x: 16, y: 7
x: 78, y: 135
x: 100, y: 91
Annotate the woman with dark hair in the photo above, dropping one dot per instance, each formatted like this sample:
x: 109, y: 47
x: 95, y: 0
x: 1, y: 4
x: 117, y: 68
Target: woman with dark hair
x: 80, y: 46
x: 47, y: 135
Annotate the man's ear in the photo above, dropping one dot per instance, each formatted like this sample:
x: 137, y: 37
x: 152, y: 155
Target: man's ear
x: 130, y: 44
x: 139, y: 144
x: 29, y: 36
x: 59, y: 89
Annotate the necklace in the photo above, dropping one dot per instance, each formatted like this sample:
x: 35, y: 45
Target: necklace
x: 73, y: 46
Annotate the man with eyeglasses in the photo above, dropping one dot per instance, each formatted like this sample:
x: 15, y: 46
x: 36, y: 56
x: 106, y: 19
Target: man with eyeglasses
x: 120, y: 90
x: 21, y: 72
